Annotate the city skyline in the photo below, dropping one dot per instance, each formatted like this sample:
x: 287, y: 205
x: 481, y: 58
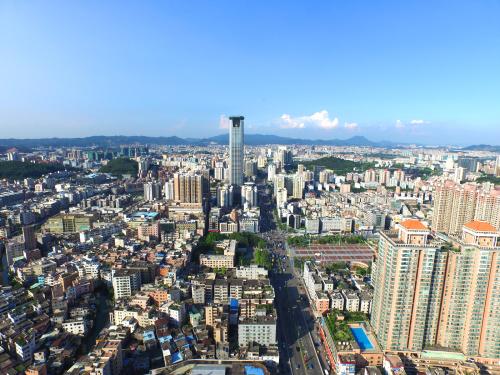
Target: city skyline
x: 418, y: 73
x: 250, y: 188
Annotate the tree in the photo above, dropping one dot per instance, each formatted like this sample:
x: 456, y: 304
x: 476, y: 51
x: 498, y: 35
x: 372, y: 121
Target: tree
x: 262, y: 258
x: 16, y: 170
x: 120, y: 166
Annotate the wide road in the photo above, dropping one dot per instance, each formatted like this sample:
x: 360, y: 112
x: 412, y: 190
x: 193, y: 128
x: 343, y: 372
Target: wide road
x: 298, y: 354
x: 295, y: 324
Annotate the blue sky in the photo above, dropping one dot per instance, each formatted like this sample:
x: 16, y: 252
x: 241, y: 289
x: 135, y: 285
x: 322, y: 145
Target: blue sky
x: 425, y: 71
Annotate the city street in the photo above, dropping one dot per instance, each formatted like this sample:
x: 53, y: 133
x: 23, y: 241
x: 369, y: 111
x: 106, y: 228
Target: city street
x: 295, y: 325
x: 299, y: 344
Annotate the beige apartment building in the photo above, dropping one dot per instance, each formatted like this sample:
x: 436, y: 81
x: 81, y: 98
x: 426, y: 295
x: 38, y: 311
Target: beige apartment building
x: 189, y: 187
x: 217, y: 261
x: 456, y: 204
x: 438, y: 290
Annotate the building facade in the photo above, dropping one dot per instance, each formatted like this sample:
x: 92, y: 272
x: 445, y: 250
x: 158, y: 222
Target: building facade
x: 438, y: 290
x: 236, y: 148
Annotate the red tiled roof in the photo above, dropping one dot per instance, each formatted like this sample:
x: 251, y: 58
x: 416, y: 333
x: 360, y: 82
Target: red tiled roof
x: 413, y: 224
x: 480, y: 226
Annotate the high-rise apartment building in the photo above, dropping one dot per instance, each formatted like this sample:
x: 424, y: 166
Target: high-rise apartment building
x: 225, y: 196
x: 370, y: 175
x: 488, y: 207
x: 236, y: 148
x: 249, y: 194
x: 281, y: 197
x: 189, y: 187
x: 298, y: 186
x: 438, y: 290
x: 250, y: 168
x: 152, y: 191
x: 219, y: 170
x: 125, y: 282
x: 168, y: 190
x: 283, y: 156
x: 279, y: 182
x: 456, y: 204
x: 261, y: 161
x: 271, y: 172
x: 29, y: 236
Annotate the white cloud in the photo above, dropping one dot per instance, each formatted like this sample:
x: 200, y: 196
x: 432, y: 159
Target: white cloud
x: 415, y: 127
x: 399, y: 124
x: 288, y: 122
x: 224, y: 122
x: 419, y: 122
x: 351, y: 125
x: 319, y: 119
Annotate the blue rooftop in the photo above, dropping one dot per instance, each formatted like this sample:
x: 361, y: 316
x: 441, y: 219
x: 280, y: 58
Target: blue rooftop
x: 233, y: 304
x: 148, y: 335
x: 145, y: 214
x: 250, y: 370
x: 177, y: 357
x: 164, y: 339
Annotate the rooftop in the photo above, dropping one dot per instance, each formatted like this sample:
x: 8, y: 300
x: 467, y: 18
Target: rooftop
x: 413, y: 224
x: 480, y: 226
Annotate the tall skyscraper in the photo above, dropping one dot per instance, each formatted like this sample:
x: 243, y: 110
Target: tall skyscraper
x: 236, y: 146
x: 437, y: 290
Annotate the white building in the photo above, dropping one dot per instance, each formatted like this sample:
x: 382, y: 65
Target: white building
x: 77, y: 326
x: 125, y: 282
x: 351, y: 300
x: 259, y: 329
x: 252, y: 272
x: 337, y: 301
x: 312, y: 226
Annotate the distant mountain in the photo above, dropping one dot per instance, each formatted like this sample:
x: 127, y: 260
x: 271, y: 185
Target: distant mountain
x: 223, y: 139
x: 99, y: 141
x: 483, y: 148
x: 263, y: 139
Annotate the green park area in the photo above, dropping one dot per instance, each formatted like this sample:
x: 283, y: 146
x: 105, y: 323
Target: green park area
x: 260, y: 255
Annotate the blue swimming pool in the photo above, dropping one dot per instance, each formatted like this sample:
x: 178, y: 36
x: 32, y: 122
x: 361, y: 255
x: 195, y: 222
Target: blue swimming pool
x: 361, y: 338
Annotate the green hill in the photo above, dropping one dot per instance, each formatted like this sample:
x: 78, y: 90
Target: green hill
x: 120, y: 166
x: 17, y: 170
x: 338, y: 165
